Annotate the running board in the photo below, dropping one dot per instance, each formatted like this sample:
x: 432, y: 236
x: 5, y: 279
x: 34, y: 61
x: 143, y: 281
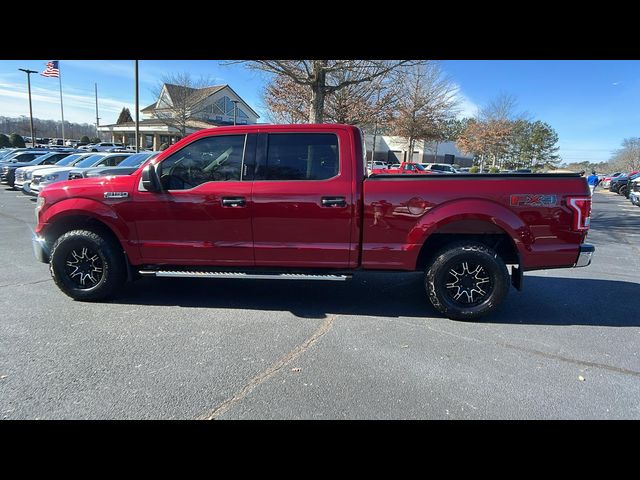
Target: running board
x: 252, y: 276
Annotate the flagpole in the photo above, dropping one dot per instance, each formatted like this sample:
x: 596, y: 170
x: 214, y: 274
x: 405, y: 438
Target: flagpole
x: 61, y: 107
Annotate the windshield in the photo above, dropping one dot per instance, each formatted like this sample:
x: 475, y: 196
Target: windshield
x: 6, y: 153
x: 135, y: 160
x: 68, y: 160
x: 419, y: 167
x: 36, y: 161
x: 89, y: 161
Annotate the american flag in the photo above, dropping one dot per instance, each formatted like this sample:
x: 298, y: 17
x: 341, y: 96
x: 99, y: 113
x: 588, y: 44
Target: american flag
x: 52, y: 69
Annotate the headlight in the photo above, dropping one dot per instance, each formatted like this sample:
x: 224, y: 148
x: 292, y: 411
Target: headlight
x: 51, y: 177
x: 28, y: 175
x: 40, y: 202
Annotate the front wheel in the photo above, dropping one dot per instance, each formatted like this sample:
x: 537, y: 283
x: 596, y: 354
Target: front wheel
x: 466, y: 281
x: 87, y: 266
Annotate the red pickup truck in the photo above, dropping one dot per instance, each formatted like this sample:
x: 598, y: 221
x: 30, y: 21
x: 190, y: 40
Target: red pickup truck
x: 294, y: 202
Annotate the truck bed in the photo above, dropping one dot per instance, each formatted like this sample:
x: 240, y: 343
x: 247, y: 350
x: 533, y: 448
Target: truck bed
x: 401, y: 211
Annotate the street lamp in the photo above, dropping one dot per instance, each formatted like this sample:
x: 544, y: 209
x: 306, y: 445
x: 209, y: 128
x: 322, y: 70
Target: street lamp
x: 235, y: 110
x: 29, y: 72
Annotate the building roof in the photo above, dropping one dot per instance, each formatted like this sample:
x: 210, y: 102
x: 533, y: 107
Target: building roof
x: 149, y: 108
x: 195, y: 95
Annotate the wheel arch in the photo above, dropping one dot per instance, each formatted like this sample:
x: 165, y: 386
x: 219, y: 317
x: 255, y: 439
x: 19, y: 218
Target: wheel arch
x: 474, y: 220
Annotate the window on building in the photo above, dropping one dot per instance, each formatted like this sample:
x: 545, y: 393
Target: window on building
x: 211, y: 159
x: 301, y: 157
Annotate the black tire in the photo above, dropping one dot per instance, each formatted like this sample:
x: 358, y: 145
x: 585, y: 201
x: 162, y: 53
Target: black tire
x: 87, y: 266
x: 453, y: 288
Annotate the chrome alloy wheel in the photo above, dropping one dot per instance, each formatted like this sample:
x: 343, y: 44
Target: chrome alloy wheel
x: 84, y: 267
x: 468, y: 284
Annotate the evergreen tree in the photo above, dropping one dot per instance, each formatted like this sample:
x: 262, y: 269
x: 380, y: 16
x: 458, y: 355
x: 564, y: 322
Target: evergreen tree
x: 4, y: 141
x: 16, y: 140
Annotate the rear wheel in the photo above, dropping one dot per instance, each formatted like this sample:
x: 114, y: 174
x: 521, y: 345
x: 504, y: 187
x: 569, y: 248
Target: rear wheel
x: 87, y: 266
x: 466, y: 281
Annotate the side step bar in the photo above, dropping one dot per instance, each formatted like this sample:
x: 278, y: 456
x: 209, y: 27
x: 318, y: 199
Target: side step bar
x: 253, y: 276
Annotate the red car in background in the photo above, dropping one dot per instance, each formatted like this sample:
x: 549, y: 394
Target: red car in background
x: 606, y: 181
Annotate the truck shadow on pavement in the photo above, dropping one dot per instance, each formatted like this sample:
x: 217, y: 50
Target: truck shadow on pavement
x: 544, y: 301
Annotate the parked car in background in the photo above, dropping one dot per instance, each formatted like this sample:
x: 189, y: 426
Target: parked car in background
x: 440, y: 167
x: 102, y: 146
x: 634, y: 191
x: 606, y: 181
x: 6, y: 152
x: 23, y: 155
x: 126, y: 167
x: 28, y: 172
x: 7, y: 174
x: 624, y: 189
x: 49, y: 159
x: 405, y: 168
x: 46, y: 177
x: 619, y: 184
x: 128, y: 149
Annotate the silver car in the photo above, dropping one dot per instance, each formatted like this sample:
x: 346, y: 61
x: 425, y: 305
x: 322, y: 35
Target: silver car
x: 42, y: 178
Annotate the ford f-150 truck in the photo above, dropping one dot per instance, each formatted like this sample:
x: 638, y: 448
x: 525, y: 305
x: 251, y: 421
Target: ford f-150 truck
x: 294, y: 202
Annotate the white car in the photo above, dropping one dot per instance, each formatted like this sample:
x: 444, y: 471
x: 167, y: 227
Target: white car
x: 634, y: 192
x: 24, y: 175
x: 45, y: 177
x: 101, y: 147
x: 440, y: 167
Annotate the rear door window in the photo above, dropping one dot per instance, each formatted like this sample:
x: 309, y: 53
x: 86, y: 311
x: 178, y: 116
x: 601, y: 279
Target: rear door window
x: 301, y: 156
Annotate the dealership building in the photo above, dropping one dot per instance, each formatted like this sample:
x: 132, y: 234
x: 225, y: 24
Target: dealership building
x: 213, y: 107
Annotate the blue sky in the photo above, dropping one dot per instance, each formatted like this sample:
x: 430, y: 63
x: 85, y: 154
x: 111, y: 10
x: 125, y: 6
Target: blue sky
x: 592, y: 105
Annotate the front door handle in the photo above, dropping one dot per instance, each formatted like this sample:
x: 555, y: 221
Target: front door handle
x: 334, y: 202
x: 233, y: 201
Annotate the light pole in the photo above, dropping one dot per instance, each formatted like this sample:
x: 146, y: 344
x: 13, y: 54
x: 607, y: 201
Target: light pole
x: 137, y: 109
x: 235, y: 110
x: 29, y: 72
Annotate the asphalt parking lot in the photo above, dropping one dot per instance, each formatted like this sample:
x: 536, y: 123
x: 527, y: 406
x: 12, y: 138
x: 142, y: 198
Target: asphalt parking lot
x: 564, y: 348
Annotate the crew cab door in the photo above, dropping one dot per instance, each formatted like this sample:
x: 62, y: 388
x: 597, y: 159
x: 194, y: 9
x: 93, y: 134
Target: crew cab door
x: 203, y: 214
x: 302, y: 199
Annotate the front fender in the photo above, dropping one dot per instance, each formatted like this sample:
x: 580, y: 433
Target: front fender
x: 84, y: 207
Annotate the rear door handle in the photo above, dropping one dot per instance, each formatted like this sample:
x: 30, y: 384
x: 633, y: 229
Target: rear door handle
x: 334, y: 202
x: 233, y: 201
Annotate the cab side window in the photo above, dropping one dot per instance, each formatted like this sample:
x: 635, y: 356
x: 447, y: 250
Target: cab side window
x: 211, y: 159
x: 297, y: 156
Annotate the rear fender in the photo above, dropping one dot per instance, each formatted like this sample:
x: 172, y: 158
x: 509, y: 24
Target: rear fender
x: 470, y: 211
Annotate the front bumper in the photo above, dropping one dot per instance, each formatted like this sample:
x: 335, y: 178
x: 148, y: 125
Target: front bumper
x: 40, y: 249
x: 585, y: 255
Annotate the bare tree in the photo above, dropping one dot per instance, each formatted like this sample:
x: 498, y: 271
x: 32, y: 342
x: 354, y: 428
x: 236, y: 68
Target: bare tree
x: 428, y: 99
x: 286, y: 101
x: 628, y: 157
x: 490, y: 134
x: 360, y: 104
x: 325, y: 77
x: 502, y: 107
x: 184, y: 101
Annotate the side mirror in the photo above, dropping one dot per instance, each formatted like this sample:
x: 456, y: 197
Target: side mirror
x: 150, y: 180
